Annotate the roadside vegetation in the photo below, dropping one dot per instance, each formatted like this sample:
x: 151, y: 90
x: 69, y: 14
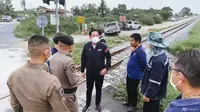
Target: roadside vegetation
x: 28, y: 27
x: 193, y: 41
x: 96, y: 15
x: 121, y: 95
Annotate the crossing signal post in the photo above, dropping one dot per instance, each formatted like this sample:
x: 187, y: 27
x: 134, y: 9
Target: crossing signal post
x: 46, y: 1
x: 61, y: 2
x: 57, y: 2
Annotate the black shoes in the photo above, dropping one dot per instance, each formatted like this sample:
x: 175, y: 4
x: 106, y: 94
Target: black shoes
x: 98, y: 107
x: 86, y: 108
x: 126, y: 104
x: 132, y: 109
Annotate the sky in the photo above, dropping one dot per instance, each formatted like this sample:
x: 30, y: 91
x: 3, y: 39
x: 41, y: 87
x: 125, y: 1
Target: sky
x: 176, y: 5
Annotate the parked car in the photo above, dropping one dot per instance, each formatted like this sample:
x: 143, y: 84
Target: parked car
x: 19, y: 18
x: 112, y: 28
x: 173, y: 19
x: 7, y: 19
x: 132, y: 25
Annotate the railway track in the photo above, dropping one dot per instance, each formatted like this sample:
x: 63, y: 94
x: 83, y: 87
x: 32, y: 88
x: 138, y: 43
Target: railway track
x: 119, y: 56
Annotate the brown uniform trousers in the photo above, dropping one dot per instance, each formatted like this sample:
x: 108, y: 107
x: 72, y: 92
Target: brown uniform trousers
x: 63, y: 67
x: 34, y: 90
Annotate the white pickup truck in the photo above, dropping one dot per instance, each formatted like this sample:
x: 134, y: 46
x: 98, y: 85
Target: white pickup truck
x: 132, y: 25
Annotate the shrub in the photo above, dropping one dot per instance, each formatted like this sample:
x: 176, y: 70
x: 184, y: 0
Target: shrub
x: 28, y: 27
x: 146, y: 20
x: 157, y: 19
x: 193, y: 42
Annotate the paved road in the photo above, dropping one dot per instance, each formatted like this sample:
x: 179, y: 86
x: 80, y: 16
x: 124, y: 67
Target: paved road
x: 11, y: 56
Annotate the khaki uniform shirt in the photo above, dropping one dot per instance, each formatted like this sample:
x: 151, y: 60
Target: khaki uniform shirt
x: 63, y: 67
x: 35, y: 90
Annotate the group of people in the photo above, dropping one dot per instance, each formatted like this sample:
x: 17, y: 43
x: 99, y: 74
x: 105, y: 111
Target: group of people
x: 185, y: 76
x: 154, y: 74
x: 49, y: 80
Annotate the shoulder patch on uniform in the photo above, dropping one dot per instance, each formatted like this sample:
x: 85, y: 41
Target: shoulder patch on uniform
x: 73, y: 67
x: 62, y: 92
x: 106, y: 50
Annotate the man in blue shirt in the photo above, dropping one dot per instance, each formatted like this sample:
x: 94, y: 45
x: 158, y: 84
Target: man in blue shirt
x: 136, y: 66
x: 155, y: 78
x: 185, y: 77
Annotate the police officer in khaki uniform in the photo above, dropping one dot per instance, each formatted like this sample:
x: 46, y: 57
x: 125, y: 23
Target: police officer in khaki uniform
x: 32, y: 88
x: 63, y: 67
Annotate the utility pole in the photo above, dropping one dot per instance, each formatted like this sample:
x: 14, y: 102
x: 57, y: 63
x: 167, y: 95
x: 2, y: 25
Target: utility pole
x: 57, y: 16
x: 65, y: 8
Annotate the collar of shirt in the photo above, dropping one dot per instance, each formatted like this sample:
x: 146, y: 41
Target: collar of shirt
x: 94, y: 46
x: 136, y: 48
x: 35, y: 66
x: 63, y: 52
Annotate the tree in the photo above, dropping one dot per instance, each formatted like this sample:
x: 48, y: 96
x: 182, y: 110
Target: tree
x: 103, y: 8
x: 6, y: 7
x: 2, y: 7
x: 167, y: 9
x: 122, y: 8
x: 176, y: 15
x: 166, y: 13
x: 89, y: 8
x: 76, y: 10
x: 115, y: 11
x: 185, y: 11
x: 154, y: 11
x: 23, y: 4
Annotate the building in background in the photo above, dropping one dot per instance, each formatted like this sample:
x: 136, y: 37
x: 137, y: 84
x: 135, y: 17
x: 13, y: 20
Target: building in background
x: 61, y: 11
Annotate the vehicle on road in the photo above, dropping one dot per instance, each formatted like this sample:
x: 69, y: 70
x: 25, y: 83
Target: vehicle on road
x: 112, y: 28
x: 19, y: 18
x: 7, y: 19
x: 132, y: 25
x: 173, y: 20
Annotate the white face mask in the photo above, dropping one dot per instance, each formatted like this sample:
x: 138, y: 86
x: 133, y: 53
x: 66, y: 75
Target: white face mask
x: 174, y: 85
x: 95, y: 40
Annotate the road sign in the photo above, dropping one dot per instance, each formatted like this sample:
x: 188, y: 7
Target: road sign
x: 81, y: 19
x: 122, y: 18
x: 42, y: 22
x: 53, y: 19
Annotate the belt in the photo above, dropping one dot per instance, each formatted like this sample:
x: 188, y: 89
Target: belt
x: 69, y: 91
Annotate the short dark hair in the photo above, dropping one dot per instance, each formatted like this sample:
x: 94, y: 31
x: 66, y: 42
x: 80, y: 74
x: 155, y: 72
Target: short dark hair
x: 57, y: 37
x: 188, y: 63
x: 99, y: 31
x: 37, y: 44
x: 67, y: 40
x: 137, y: 37
x: 93, y: 30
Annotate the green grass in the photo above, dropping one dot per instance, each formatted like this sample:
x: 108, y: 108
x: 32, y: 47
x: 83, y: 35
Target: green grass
x: 172, y: 94
x: 76, y: 53
x: 193, y: 41
x: 111, y: 42
x: 28, y: 27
